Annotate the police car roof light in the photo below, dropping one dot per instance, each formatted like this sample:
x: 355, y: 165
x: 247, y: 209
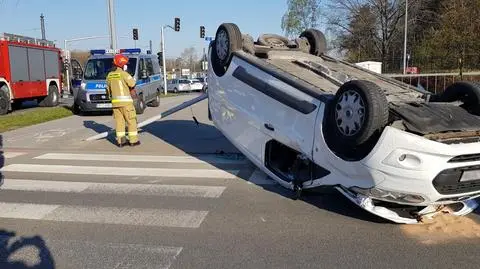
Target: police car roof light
x: 97, y: 52
x: 134, y: 50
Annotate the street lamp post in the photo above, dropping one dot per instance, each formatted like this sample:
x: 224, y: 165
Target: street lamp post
x: 163, y: 57
x: 111, y: 23
x: 405, y: 40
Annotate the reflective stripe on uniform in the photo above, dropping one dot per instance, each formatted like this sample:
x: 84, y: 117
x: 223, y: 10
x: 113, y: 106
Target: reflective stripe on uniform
x: 120, y: 134
x: 114, y: 75
x: 122, y: 101
x: 122, y: 98
x: 132, y: 133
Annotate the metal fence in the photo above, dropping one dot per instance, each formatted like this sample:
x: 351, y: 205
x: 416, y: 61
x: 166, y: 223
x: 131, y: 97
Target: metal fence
x: 435, y: 82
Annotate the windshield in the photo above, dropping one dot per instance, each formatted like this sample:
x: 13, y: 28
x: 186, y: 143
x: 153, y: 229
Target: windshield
x: 97, y: 69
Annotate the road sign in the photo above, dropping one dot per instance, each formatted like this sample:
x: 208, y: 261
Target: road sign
x: 209, y: 38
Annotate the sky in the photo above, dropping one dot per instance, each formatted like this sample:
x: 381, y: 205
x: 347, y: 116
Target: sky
x: 68, y: 19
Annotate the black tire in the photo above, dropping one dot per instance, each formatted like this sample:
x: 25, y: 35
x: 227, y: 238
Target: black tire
x: 156, y: 101
x: 52, y: 99
x: 316, y: 40
x: 355, y: 143
x: 468, y: 92
x: 228, y: 39
x: 4, y: 100
x: 140, y: 105
x: 273, y: 41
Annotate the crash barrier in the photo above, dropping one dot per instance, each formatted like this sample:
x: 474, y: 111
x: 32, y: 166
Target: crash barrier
x: 435, y: 82
x: 155, y: 118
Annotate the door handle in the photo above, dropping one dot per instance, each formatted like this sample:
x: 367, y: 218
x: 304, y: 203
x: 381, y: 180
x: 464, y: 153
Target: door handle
x: 269, y: 126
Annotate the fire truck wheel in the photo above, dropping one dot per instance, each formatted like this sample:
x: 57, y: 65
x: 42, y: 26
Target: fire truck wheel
x: 52, y: 98
x: 4, y: 100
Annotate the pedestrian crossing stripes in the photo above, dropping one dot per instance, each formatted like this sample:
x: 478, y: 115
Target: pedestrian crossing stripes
x: 113, y: 188
x: 57, y: 182
x: 104, y: 215
x: 140, y: 158
x: 121, y: 171
x: 77, y: 173
x: 11, y: 155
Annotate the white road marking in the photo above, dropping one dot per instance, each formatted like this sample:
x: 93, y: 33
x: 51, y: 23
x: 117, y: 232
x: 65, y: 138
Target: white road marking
x: 25, y: 211
x: 121, y: 171
x: 104, y: 215
x: 138, y: 158
x: 260, y: 178
x: 9, y: 155
x: 113, y: 188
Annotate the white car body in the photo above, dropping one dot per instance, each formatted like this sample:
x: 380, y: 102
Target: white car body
x: 196, y: 85
x: 258, y: 110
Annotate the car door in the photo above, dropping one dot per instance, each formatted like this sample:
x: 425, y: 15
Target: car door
x: 150, y: 87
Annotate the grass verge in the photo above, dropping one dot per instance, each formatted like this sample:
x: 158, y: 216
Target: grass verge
x: 33, y: 116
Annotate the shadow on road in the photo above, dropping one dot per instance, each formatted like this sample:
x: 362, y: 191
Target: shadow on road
x: 10, y: 246
x: 99, y: 128
x: 191, y: 138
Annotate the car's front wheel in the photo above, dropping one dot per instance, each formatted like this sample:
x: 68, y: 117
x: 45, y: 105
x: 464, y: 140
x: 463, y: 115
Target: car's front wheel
x: 228, y: 39
x: 355, y: 118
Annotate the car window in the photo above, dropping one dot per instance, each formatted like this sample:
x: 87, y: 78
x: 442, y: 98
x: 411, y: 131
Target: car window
x: 149, y: 66
x: 98, y: 69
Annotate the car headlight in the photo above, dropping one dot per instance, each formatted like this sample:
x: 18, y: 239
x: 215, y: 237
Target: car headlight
x: 390, y: 196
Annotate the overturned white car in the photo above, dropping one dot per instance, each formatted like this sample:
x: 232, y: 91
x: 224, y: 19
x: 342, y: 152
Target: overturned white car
x: 310, y: 121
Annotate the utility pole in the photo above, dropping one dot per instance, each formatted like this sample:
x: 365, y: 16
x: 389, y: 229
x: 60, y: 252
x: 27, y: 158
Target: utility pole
x: 405, y: 40
x: 111, y: 23
x: 164, y: 66
x: 42, y: 25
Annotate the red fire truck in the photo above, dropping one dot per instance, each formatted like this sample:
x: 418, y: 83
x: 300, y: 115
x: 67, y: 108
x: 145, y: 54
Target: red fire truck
x: 30, y: 69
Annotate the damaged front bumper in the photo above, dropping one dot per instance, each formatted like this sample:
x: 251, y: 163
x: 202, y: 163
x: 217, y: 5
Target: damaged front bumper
x: 460, y: 208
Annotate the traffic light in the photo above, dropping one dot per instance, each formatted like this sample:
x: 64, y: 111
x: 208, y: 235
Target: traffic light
x: 160, y: 58
x: 177, y: 24
x: 135, y: 34
x: 202, y: 31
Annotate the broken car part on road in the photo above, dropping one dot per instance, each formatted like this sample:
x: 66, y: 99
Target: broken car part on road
x: 155, y: 118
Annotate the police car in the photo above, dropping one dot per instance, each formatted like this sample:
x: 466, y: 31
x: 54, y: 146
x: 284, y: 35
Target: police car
x: 91, y: 95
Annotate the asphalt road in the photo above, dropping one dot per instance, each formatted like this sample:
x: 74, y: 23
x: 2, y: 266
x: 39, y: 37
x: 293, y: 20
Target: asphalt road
x: 186, y: 199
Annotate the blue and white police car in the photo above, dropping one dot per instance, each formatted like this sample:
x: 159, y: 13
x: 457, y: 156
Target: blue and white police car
x: 144, y: 67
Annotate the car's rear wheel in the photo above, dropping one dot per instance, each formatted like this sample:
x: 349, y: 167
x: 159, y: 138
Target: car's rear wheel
x: 468, y: 92
x: 355, y: 119
x: 156, y: 101
x: 4, y: 100
x: 228, y: 39
x: 316, y: 40
x: 52, y: 99
x: 140, y: 105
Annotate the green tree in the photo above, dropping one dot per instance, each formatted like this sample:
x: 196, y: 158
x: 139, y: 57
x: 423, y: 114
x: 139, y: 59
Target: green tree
x: 300, y: 15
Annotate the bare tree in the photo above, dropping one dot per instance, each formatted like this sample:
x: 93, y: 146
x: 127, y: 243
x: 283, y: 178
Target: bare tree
x: 377, y: 20
x: 300, y: 15
x: 189, y: 57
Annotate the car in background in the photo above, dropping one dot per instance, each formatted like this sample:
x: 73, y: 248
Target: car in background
x: 178, y: 85
x: 196, y: 85
x: 204, y: 82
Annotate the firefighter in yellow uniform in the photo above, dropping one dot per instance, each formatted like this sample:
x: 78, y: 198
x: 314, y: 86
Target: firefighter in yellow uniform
x: 119, y: 86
